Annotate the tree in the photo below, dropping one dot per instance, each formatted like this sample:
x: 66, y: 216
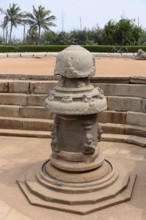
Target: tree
x: 14, y: 17
x: 124, y: 32
x: 32, y: 36
x: 40, y: 19
x: 142, y: 38
x: 127, y: 32
x: 109, y: 32
x: 49, y: 37
x: 4, y: 29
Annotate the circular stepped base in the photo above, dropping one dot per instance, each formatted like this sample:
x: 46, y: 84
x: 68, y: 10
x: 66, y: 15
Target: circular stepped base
x: 80, y: 193
x: 123, y: 138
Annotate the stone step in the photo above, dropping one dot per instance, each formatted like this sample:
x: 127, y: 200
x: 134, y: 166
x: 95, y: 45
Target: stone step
x: 136, y: 118
x: 24, y: 112
x: 22, y: 99
x: 120, y: 103
x: 26, y: 87
x: 130, y: 139
x: 123, y: 129
x: 125, y: 90
x: 112, y: 117
x: 127, y: 117
x: 115, y: 103
x: 25, y: 133
x: 26, y: 124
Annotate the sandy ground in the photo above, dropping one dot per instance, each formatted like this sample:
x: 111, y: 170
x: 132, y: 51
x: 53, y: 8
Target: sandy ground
x: 18, y: 154
x: 104, y: 66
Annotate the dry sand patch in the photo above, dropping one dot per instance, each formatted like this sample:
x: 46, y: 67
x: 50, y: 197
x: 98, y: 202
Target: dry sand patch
x: 45, y: 65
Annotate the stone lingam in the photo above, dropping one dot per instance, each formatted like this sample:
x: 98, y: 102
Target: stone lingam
x: 76, y: 178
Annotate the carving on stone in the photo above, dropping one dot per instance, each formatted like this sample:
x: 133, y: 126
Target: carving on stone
x: 99, y: 132
x: 80, y: 84
x: 100, y: 93
x: 77, y: 175
x: 141, y: 55
x: 66, y: 99
x: 61, y: 82
x: 51, y: 97
x: 54, y: 142
x: 89, y: 146
x: 87, y: 98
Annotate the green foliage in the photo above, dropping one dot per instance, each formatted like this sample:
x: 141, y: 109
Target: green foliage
x: 109, y: 33
x: 31, y: 48
x: 99, y: 48
x: 14, y: 17
x: 58, y: 48
x: 124, y: 32
x: 40, y: 19
x: 38, y: 23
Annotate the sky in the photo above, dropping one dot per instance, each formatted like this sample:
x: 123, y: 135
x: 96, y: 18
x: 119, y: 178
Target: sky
x: 78, y: 14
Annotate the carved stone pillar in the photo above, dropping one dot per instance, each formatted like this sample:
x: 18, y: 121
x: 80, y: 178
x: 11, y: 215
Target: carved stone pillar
x: 77, y: 174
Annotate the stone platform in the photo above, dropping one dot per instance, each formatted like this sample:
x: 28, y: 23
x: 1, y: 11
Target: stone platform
x: 19, y: 154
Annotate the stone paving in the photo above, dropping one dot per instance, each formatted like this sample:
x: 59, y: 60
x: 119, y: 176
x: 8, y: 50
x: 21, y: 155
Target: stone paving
x: 18, y: 154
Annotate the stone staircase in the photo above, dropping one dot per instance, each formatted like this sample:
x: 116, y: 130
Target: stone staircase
x: 125, y: 118
x: 22, y: 111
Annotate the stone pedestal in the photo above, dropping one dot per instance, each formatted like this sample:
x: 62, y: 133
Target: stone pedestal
x: 76, y: 178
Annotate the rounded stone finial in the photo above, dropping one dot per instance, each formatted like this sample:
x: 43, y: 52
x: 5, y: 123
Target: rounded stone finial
x: 75, y: 62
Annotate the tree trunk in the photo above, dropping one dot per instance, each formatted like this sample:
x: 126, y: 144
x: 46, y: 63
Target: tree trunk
x: 4, y: 40
x: 10, y: 33
x: 39, y: 34
x: 24, y: 33
x: 6, y: 34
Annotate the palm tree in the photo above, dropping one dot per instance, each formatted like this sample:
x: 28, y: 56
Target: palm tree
x: 2, y: 23
x: 14, y: 17
x: 40, y: 19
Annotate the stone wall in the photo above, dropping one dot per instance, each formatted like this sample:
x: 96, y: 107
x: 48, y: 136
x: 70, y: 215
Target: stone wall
x: 22, y: 104
x: 126, y: 112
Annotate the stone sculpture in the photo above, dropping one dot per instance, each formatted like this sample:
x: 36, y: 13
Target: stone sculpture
x: 141, y: 55
x: 77, y: 178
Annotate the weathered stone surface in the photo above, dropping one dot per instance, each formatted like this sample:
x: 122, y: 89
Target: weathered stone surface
x: 124, y: 104
x: 10, y: 123
x: 143, y: 105
x: 34, y: 112
x: 79, y: 203
x: 141, y: 55
x: 112, y: 117
x: 76, y: 168
x: 136, y: 118
x: 19, y: 87
x: 75, y: 62
x: 138, y: 79
x: 39, y: 125
x: 13, y: 99
x: 36, y: 100
x: 9, y: 111
x: 124, y: 138
x: 42, y: 87
x: 112, y: 128
x: 102, y: 79
x: 135, y: 130
x: 24, y: 133
x: 123, y: 90
x: 28, y: 77
x: 4, y: 86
